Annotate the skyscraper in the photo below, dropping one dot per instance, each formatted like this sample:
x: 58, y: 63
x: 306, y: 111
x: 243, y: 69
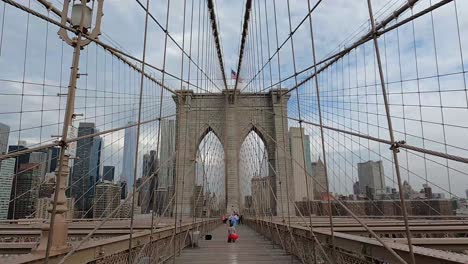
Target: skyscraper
x: 46, y: 190
x: 319, y: 179
x: 167, y: 158
x: 84, y: 174
x: 53, y: 156
x: 150, y: 163
x: 107, y: 199
x: 261, y: 195
x: 150, y: 167
x: 301, y: 163
x: 123, y: 190
x: 128, y: 163
x: 95, y: 159
x: 371, y: 178
x: 109, y: 173
x: 4, y: 134
x: 39, y: 157
x: 25, y: 192
x: 167, y: 165
x: 21, y: 159
x: 7, y: 170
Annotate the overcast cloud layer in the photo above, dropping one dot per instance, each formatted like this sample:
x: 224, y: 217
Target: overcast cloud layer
x: 420, y: 66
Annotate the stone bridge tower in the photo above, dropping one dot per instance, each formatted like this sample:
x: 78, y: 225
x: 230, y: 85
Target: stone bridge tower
x: 231, y: 117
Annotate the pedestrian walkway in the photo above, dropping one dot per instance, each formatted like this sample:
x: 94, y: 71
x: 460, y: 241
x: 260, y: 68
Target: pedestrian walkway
x: 249, y: 249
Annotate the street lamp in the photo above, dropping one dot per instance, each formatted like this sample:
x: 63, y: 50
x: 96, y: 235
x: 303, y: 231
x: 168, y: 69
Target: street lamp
x: 79, y: 10
x: 54, y: 237
x: 81, y: 21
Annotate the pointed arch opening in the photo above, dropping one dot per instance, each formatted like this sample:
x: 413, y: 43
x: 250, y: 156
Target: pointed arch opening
x: 255, y: 180
x: 209, y: 190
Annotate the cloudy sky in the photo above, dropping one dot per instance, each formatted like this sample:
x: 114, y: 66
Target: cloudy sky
x: 424, y: 64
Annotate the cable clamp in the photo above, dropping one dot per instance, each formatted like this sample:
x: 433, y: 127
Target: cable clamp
x: 395, y: 147
x: 62, y: 143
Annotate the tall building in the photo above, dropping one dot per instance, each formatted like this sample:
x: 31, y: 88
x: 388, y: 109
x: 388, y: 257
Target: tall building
x: 167, y: 166
x: 53, y: 156
x: 85, y: 174
x: 319, y: 179
x: 95, y: 159
x: 356, y: 188
x: 39, y: 157
x: 25, y: 193
x: 371, y: 178
x: 126, y: 209
x: 43, y: 205
x: 138, y: 194
x: 261, y: 195
x: 21, y: 159
x: 4, y: 135
x: 123, y: 190
x: 108, y: 173
x: 150, y: 167
x: 150, y: 163
x: 128, y: 163
x: 106, y: 200
x: 46, y: 190
x: 301, y: 164
x: 7, y: 170
x: 427, y: 190
x: 168, y: 138
x: 146, y: 195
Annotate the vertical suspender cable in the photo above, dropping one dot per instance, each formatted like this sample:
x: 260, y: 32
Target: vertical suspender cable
x: 185, y: 141
x: 322, y: 137
x: 135, y: 164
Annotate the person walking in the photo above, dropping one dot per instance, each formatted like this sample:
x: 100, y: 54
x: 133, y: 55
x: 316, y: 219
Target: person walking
x: 232, y: 234
x: 232, y: 219
x: 236, y: 219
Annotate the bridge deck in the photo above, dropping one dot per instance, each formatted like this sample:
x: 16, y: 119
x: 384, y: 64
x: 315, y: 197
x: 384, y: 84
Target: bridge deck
x: 249, y: 249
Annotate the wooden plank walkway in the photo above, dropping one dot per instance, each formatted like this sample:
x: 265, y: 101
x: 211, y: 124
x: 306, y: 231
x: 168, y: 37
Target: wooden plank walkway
x: 249, y: 249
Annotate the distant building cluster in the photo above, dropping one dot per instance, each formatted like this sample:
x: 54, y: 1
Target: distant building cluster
x: 379, y: 207
x: 310, y: 184
x: 95, y: 189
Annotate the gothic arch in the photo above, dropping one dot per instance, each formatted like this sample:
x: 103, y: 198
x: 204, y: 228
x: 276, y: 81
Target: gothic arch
x: 231, y: 117
x: 204, y: 131
x: 246, y: 131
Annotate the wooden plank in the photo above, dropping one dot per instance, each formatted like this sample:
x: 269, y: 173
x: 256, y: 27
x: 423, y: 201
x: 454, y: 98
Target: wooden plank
x: 250, y: 248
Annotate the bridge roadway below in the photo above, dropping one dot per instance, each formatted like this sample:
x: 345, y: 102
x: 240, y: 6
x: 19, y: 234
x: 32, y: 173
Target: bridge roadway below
x: 249, y: 249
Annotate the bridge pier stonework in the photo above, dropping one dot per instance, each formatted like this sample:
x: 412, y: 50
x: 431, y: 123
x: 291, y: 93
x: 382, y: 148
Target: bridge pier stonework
x: 231, y: 117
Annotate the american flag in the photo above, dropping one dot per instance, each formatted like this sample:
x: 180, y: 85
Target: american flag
x: 233, y: 74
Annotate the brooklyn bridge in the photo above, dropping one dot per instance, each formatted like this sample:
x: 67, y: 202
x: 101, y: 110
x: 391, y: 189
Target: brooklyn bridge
x: 150, y: 131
